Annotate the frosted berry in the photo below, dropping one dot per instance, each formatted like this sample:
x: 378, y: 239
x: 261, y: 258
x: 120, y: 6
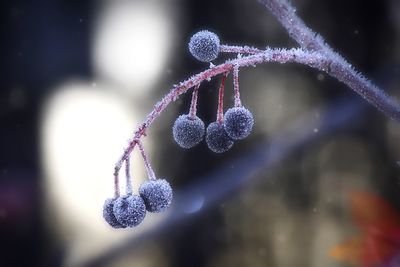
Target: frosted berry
x: 238, y: 122
x: 217, y: 139
x: 188, y: 131
x: 157, y: 195
x: 129, y: 210
x: 204, y: 46
x: 108, y: 214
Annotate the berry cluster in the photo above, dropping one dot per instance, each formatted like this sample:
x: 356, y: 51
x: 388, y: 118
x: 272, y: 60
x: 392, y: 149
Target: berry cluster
x: 236, y: 124
x: 129, y: 210
x: 156, y: 195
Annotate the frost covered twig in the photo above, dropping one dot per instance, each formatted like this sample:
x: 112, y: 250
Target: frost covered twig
x: 338, y: 67
x: 237, y: 123
x: 297, y: 55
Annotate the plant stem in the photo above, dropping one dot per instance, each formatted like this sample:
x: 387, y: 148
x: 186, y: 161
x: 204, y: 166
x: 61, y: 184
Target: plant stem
x: 220, y: 109
x: 150, y: 172
x: 193, y: 104
x: 315, y: 53
x: 316, y: 60
x: 128, y: 176
x: 238, y: 103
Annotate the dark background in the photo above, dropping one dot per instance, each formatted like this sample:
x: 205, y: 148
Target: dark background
x: 46, y: 41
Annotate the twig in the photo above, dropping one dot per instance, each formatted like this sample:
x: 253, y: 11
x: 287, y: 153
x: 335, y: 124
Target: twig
x: 238, y: 103
x: 150, y: 172
x: 193, y: 104
x: 312, y: 59
x: 128, y: 176
x: 220, y: 110
x: 314, y: 53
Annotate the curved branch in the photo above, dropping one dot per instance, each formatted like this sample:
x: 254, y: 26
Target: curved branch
x: 335, y: 68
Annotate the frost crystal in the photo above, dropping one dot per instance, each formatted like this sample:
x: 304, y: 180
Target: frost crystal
x: 238, y: 122
x: 217, y: 139
x: 204, y: 46
x: 129, y: 210
x: 157, y: 195
x: 188, y: 131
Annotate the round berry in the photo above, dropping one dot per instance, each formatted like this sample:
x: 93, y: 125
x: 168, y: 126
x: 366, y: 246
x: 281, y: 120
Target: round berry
x: 204, y: 46
x: 157, y: 195
x: 217, y: 139
x: 188, y: 131
x: 108, y: 214
x: 129, y: 210
x: 238, y: 122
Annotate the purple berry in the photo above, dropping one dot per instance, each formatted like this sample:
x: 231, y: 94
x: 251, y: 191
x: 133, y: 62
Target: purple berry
x: 157, y: 195
x: 217, y: 139
x: 129, y: 210
x: 188, y: 131
x: 238, y: 122
x: 204, y: 46
x: 108, y: 214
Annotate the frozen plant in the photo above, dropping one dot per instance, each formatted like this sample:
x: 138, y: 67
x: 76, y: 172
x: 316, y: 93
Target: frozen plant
x: 156, y: 195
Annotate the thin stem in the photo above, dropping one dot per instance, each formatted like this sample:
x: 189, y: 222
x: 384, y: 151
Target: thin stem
x: 116, y: 185
x: 239, y: 49
x: 193, y: 104
x: 220, y: 110
x: 128, y: 176
x: 150, y: 172
x: 238, y: 103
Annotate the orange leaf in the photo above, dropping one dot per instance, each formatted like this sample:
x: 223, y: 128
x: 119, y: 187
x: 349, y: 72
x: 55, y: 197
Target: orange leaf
x: 349, y: 251
x: 369, y: 210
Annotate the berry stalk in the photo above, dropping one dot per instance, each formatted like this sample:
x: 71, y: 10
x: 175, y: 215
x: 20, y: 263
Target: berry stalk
x: 128, y: 176
x: 116, y: 186
x: 193, y: 104
x: 149, y: 169
x: 238, y: 103
x: 220, y: 110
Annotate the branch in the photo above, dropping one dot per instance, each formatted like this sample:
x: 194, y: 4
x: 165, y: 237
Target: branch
x: 338, y: 67
x: 312, y: 59
x: 314, y: 53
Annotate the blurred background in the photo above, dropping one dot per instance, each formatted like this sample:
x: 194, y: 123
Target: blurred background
x: 79, y: 76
